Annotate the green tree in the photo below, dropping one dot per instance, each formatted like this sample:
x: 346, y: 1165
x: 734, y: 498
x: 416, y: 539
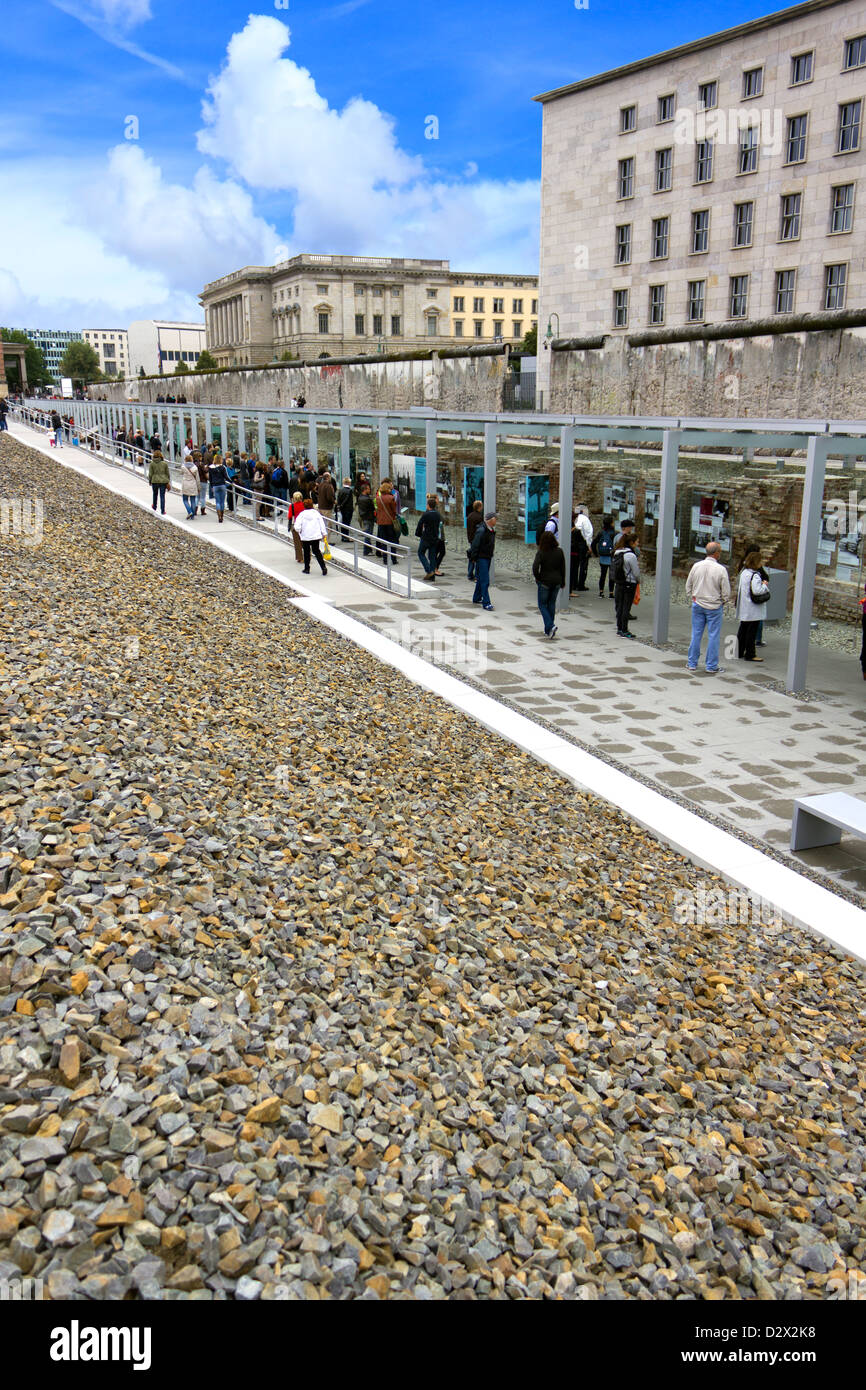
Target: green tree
x: 37, y: 372
x: 80, y: 362
x: 205, y: 362
x: 530, y: 341
x: 141, y: 371
x: 181, y: 368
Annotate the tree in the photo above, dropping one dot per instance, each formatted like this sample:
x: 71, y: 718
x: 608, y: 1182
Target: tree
x: 205, y: 362
x: 530, y: 341
x: 141, y: 371
x: 181, y: 368
x: 287, y: 356
x: 34, y: 361
x: 80, y: 362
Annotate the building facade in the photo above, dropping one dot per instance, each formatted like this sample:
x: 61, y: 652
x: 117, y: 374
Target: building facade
x: 312, y: 306
x: 112, y: 345
x: 158, y: 345
x: 721, y: 181
x: 53, y: 342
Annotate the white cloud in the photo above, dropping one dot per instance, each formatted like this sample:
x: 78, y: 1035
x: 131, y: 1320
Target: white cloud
x: 123, y: 14
x: 353, y: 188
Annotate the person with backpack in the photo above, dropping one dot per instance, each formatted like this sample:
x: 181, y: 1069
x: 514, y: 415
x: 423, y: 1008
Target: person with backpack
x: 473, y: 521
x: 602, y: 549
x: 428, y: 531
x: 752, y: 591
x: 345, y: 508
x: 159, y: 478
x: 482, y: 553
x: 581, y: 539
x: 548, y: 571
x: 280, y: 481
x: 626, y: 577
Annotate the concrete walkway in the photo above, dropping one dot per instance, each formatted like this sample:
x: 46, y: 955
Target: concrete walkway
x: 729, y: 745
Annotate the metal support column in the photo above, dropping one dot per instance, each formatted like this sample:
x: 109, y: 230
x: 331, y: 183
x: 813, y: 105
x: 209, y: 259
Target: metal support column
x: 313, y: 440
x: 345, y: 438
x: 224, y: 432
x: 384, y: 454
x: 242, y: 434
x: 432, y: 465
x: 807, y: 556
x: 286, y: 442
x: 491, y: 440
x: 665, y: 541
x: 262, y: 422
x: 566, y: 493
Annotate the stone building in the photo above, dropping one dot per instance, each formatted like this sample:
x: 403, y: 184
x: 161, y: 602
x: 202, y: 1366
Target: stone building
x: 312, y: 306
x: 718, y: 182
x: 112, y: 347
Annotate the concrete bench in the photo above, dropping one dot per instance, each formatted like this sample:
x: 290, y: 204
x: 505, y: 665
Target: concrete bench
x: 820, y: 820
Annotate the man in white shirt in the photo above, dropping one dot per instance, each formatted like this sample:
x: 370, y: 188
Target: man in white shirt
x: 708, y: 586
x: 581, y: 539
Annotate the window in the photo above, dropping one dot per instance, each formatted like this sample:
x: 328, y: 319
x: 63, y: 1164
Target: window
x: 626, y: 178
x: 703, y: 161
x: 535, y: 306
x: 747, y: 154
x: 666, y: 108
x: 697, y: 296
x: 395, y: 325
x: 855, y: 53
x: 497, y: 328
x: 431, y: 294
x: 795, y: 145
x: 432, y: 326
x: 359, y: 290
x: 377, y: 291
x: 700, y: 231
x: 378, y: 321
x: 785, y: 291
x: 321, y: 289
x: 359, y: 325
x: 657, y: 303
x: 459, y: 304
x: 499, y: 306
x: 849, y: 127
x: 739, y: 296
x: 478, y: 306
x: 835, y: 282
x: 517, y: 306
x: 801, y: 70
x: 479, y: 328
x: 517, y: 327
x: 842, y: 208
x: 789, y: 229
x: 661, y: 233
x: 708, y: 96
x: 743, y: 220
x: 627, y: 119
x: 753, y: 82
x: 458, y: 328
x: 620, y: 308
x: 395, y: 291
x: 664, y: 170
x: 622, y: 251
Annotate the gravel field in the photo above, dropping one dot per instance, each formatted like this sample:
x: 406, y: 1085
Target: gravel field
x: 312, y: 988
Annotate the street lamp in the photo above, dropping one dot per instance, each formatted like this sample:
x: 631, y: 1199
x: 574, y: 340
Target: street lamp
x: 549, y: 335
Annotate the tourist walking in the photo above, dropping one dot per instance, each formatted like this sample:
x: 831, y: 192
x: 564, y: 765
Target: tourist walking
x: 312, y: 529
x: 4, y: 407
x: 189, y: 486
x: 581, y: 539
x: 219, y: 480
x: 626, y: 577
x: 709, y: 588
x: 548, y: 571
x: 752, y: 592
x: 428, y: 531
x: 602, y: 549
x: 297, y: 506
x: 482, y: 554
x: 345, y: 508
x: 57, y: 426
x: 159, y: 478
x: 201, y: 464
x: 473, y: 521
x: 366, y: 515
x: 386, y: 516
x: 325, y: 495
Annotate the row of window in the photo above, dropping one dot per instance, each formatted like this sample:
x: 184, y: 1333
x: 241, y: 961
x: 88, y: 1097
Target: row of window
x: 834, y: 292
x: 172, y: 355
x: 498, y: 305
x: 848, y: 132
x: 790, y: 221
x: 498, y: 328
x: 801, y: 71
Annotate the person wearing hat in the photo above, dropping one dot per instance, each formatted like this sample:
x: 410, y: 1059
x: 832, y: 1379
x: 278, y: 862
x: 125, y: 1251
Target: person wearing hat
x: 482, y: 553
x: 552, y: 523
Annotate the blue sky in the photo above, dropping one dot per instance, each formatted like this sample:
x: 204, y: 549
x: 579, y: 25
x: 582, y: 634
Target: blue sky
x: 263, y: 131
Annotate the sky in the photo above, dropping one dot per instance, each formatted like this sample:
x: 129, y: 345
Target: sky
x: 149, y: 146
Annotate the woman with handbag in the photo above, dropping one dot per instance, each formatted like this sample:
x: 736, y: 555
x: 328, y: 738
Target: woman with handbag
x: 752, y: 592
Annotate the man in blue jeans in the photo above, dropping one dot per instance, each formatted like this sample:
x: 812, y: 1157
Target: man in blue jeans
x: 481, y: 552
x: 708, y: 587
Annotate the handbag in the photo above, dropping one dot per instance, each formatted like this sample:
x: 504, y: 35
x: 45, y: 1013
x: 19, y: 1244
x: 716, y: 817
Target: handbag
x: 326, y: 550
x: 401, y: 526
x: 636, y: 598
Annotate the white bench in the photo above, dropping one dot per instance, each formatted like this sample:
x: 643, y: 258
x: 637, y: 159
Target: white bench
x: 820, y: 820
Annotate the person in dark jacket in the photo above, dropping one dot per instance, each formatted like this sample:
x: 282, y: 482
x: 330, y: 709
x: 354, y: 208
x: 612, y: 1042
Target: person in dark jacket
x: 602, y: 549
x: 366, y: 515
x: 548, y: 571
x: 481, y: 551
x: 345, y: 508
x: 219, y: 481
x: 325, y: 495
x: 626, y: 577
x: 428, y: 531
x: 386, y: 515
x: 159, y: 478
x: 473, y: 521
x: 201, y: 464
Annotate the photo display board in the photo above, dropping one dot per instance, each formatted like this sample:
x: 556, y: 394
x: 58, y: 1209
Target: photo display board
x: 711, y: 520
x: 533, y: 504
x: 473, y: 488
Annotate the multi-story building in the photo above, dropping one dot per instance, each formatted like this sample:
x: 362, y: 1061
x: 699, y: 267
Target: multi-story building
x: 158, y: 346
x: 313, y: 306
x: 53, y: 342
x: 719, y: 181
x: 112, y: 345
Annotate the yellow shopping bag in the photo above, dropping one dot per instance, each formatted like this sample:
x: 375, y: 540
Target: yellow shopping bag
x: 326, y: 550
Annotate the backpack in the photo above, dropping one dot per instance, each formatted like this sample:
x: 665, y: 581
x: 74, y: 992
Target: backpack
x: 616, y: 566
x: 605, y: 544
x: 278, y: 477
